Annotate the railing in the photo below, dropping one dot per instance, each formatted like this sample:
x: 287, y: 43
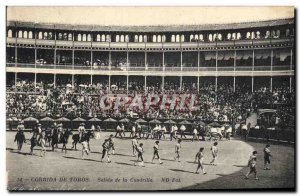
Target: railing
x: 10, y: 65
x: 25, y: 41
x: 100, y: 67
x: 64, y: 43
x: 262, y: 68
x: 25, y: 65
x: 11, y: 40
x: 82, y: 67
x: 100, y: 44
x: 82, y: 44
x: 243, y: 68
x: 282, y: 67
x: 63, y: 66
x: 134, y: 67
x: 225, y: 68
x: 190, y: 69
x: 173, y: 69
x: 45, y: 42
x: 118, y: 45
x: 155, y: 68
x: 207, y: 68
x: 150, y: 45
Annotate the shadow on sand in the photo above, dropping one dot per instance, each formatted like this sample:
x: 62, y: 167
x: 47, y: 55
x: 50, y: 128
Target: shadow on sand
x: 180, y: 170
x: 128, y: 164
x: 82, y: 159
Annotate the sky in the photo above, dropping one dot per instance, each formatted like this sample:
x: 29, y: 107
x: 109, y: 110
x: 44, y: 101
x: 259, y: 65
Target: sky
x: 132, y: 16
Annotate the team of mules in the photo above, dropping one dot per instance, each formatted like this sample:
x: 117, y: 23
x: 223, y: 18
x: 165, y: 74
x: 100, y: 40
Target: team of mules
x: 53, y: 138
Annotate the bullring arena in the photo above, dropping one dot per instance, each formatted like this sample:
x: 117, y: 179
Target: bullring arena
x: 231, y: 167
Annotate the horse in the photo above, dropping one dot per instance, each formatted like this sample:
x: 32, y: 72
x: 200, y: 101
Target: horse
x: 85, y: 137
x: 215, y: 134
x: 64, y: 137
x: 48, y: 137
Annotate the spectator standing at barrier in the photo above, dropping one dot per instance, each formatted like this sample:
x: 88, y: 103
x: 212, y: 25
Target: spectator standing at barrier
x: 182, y: 130
x: 267, y: 155
x: 163, y: 131
x: 123, y: 129
x: 97, y: 133
x: 139, y: 129
x: 156, y: 129
x: 93, y: 128
x: 175, y: 131
x: 244, y: 131
x: 81, y: 131
x: 60, y: 132
x: 201, y: 132
x: 133, y: 131
x: 228, y: 132
x: 195, y: 134
x: 118, y: 131
x: 252, y: 165
x: 248, y: 131
x: 172, y: 133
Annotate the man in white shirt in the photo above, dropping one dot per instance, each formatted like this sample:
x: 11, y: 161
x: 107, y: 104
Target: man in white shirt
x: 163, y: 131
x: 214, y: 151
x: 175, y: 131
x: 81, y: 131
x: 172, y: 133
x: 118, y: 131
x: 195, y: 134
x: 123, y: 129
x: 228, y: 132
x: 182, y: 130
x: 133, y: 131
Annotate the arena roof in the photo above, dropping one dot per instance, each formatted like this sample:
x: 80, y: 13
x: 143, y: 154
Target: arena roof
x: 158, y: 28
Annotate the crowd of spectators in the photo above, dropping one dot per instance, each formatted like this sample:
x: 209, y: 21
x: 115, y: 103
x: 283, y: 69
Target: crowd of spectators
x: 23, y: 100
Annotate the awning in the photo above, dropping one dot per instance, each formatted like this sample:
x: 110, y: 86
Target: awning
x: 46, y: 119
x: 155, y: 121
x: 94, y: 120
x: 78, y: 119
x: 281, y: 54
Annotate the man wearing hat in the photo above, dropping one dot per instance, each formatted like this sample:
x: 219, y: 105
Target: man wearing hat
x: 81, y: 131
x: 20, y: 126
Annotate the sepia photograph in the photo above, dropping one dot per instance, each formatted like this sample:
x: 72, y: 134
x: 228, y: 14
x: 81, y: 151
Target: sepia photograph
x: 150, y: 98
